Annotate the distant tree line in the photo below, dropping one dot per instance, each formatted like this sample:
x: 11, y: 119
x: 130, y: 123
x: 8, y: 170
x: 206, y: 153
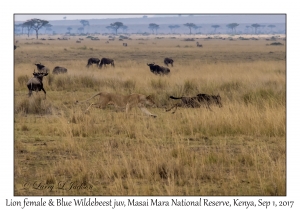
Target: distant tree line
x: 37, y: 24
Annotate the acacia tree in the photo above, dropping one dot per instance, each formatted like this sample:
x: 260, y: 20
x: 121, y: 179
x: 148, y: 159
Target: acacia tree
x: 153, y: 26
x: 115, y: 26
x: 124, y: 28
x: 28, y: 25
x: 190, y: 26
x: 37, y: 24
x: 271, y: 26
x: 69, y: 29
x: 232, y: 26
x: 215, y: 27
x: 84, y: 23
x: 171, y: 27
x: 109, y: 28
x: 197, y: 27
x: 47, y: 27
x: 176, y: 26
x: 255, y: 26
x: 80, y: 30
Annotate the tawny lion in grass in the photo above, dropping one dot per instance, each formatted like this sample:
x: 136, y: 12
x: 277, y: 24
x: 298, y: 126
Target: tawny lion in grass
x: 123, y: 102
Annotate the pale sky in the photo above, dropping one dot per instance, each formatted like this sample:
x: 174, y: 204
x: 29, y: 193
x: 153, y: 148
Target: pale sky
x: 24, y: 17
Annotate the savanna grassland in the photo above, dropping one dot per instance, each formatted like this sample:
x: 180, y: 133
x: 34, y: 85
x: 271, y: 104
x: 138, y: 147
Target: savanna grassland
x: 239, y: 149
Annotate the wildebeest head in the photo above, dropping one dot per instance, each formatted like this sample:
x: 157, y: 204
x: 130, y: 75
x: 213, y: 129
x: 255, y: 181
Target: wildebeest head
x: 92, y: 61
x: 156, y: 69
x: 39, y: 66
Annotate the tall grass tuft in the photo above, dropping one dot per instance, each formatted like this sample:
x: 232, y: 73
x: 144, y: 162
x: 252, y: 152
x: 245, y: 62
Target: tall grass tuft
x: 33, y: 105
x: 23, y: 79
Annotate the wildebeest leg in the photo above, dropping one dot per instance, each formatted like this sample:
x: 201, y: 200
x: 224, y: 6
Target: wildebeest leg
x: 42, y: 88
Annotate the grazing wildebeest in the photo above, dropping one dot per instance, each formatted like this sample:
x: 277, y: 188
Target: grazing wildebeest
x: 125, y: 44
x: 106, y: 61
x: 197, y: 101
x: 41, y: 68
x: 36, y: 83
x: 156, y: 69
x: 199, y: 45
x: 59, y: 70
x: 92, y: 61
x: 78, y: 41
x: 168, y: 61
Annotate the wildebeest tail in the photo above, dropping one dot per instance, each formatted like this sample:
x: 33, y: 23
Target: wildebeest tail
x: 172, y: 97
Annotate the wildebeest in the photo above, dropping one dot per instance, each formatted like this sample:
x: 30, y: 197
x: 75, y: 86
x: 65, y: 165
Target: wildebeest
x: 168, y: 61
x: 156, y: 69
x: 197, y: 101
x: 41, y: 68
x: 92, y: 61
x: 125, y: 44
x: 59, y: 70
x: 199, y: 45
x: 106, y: 61
x: 36, y: 83
x: 15, y: 47
x: 78, y: 41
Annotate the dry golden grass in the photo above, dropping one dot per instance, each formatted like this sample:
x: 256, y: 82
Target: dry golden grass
x: 239, y: 149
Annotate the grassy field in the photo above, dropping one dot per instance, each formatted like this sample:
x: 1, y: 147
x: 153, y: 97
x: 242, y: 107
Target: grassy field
x: 239, y: 149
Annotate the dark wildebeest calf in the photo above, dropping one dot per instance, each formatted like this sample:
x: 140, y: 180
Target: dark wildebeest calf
x: 160, y: 70
x: 59, y: 70
x: 36, y: 83
x: 106, y: 61
x: 92, y: 61
x: 168, y: 61
x: 197, y: 101
x: 41, y: 68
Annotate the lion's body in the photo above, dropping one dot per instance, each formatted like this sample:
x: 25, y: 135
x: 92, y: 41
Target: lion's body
x: 124, y: 102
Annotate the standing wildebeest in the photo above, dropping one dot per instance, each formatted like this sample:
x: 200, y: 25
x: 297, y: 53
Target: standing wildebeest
x: 41, y: 68
x: 199, y: 45
x: 197, y: 101
x: 156, y: 69
x: 168, y: 61
x: 125, y: 44
x: 15, y: 47
x: 59, y: 70
x: 106, y: 61
x: 92, y: 61
x: 36, y: 83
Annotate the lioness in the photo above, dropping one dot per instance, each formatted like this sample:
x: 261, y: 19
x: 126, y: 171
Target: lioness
x: 121, y: 101
x: 199, y: 100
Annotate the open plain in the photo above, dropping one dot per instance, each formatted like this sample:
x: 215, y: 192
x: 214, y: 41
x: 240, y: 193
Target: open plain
x: 239, y: 149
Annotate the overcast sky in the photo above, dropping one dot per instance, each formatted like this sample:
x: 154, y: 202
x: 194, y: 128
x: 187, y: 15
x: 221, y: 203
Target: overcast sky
x: 24, y: 17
